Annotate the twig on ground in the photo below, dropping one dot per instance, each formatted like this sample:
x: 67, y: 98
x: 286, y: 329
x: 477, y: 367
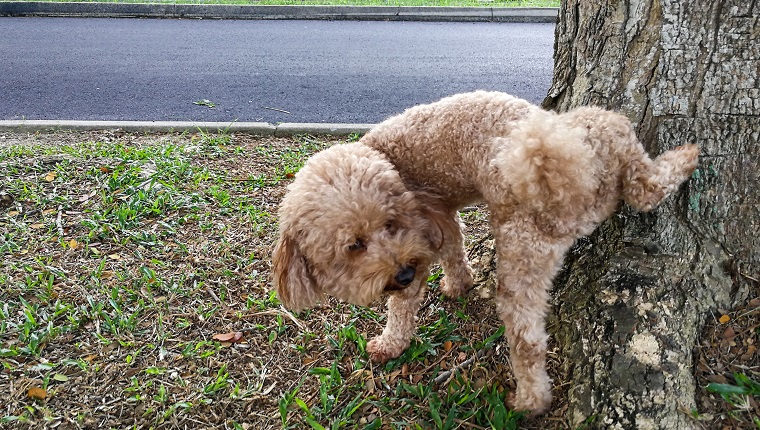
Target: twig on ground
x: 281, y: 311
x: 58, y: 222
x: 445, y: 376
x: 213, y: 294
x: 470, y: 425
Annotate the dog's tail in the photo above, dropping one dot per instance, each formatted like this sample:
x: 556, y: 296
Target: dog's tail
x: 548, y: 165
x: 647, y: 182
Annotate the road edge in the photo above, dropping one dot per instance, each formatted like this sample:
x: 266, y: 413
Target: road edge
x: 295, y: 12
x: 258, y: 128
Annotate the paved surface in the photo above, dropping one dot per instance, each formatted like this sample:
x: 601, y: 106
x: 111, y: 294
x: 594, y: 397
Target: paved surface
x: 258, y: 71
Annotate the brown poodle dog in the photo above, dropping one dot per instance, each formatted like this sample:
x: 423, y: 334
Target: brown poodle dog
x: 365, y: 219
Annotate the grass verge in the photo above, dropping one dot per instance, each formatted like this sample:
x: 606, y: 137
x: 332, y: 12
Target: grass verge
x: 134, y: 294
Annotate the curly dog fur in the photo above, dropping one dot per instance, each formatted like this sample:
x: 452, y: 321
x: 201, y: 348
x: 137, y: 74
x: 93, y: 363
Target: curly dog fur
x: 368, y: 219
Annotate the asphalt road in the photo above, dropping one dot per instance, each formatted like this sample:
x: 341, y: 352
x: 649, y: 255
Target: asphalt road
x: 271, y: 71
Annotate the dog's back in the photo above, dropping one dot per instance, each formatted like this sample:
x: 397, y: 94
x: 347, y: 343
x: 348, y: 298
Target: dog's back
x: 495, y: 147
x: 445, y: 147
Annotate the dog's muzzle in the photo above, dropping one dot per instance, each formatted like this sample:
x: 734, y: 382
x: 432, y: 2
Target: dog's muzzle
x: 403, y: 278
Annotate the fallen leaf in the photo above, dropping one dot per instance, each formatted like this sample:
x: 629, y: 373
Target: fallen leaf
x: 37, y: 226
x: 60, y: 377
x: 447, y: 345
x: 49, y: 211
x: 369, y: 385
x: 231, y: 337
x: 729, y: 333
x: 718, y: 379
x: 755, y: 302
x: 12, y: 213
x: 114, y: 256
x: 750, y: 353
x: 394, y: 375
x: 724, y: 319
x: 73, y: 244
x: 37, y: 393
x: 50, y: 177
x: 86, y: 197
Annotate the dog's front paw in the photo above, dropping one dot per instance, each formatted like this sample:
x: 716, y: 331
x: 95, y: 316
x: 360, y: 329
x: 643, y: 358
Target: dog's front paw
x: 381, y: 350
x: 457, y: 286
x: 534, y: 402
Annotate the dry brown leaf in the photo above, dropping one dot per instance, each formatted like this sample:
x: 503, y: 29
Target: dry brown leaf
x: 231, y: 337
x: 447, y: 345
x: 751, y: 350
x: 754, y: 303
x: 73, y: 244
x: 369, y: 385
x: 36, y: 226
x: 87, y: 196
x: 50, y: 177
x: 718, y: 379
x: 729, y: 333
x: 114, y: 256
x: 37, y: 393
x: 724, y: 319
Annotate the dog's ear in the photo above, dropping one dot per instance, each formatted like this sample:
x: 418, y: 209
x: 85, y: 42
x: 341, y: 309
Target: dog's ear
x: 441, y: 224
x: 292, y: 279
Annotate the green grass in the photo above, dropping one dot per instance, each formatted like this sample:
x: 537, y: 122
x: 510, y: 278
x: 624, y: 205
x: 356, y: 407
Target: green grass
x: 125, y: 255
x: 471, y: 3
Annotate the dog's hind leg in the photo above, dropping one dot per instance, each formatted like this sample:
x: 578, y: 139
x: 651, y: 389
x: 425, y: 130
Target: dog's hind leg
x: 402, y: 308
x: 526, y: 265
x: 647, y: 182
x: 457, y: 272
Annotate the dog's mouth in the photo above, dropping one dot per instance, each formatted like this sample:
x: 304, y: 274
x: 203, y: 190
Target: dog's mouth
x: 392, y: 286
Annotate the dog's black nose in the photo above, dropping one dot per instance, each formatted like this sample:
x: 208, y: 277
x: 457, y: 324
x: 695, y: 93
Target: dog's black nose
x: 405, y: 276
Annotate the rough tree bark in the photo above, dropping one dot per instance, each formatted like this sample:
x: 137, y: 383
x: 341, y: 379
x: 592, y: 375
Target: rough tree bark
x: 632, y: 298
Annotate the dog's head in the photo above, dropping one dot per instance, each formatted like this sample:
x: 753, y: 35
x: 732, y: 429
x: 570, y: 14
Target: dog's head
x: 349, y: 228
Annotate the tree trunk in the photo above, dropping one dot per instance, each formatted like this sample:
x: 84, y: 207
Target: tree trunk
x: 632, y: 299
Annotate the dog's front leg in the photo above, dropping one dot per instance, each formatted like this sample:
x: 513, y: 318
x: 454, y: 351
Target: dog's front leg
x: 457, y: 280
x: 402, y: 309
x: 527, y: 264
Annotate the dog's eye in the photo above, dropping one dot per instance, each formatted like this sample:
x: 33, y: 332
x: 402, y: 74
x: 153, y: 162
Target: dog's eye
x: 391, y: 226
x: 357, y: 246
